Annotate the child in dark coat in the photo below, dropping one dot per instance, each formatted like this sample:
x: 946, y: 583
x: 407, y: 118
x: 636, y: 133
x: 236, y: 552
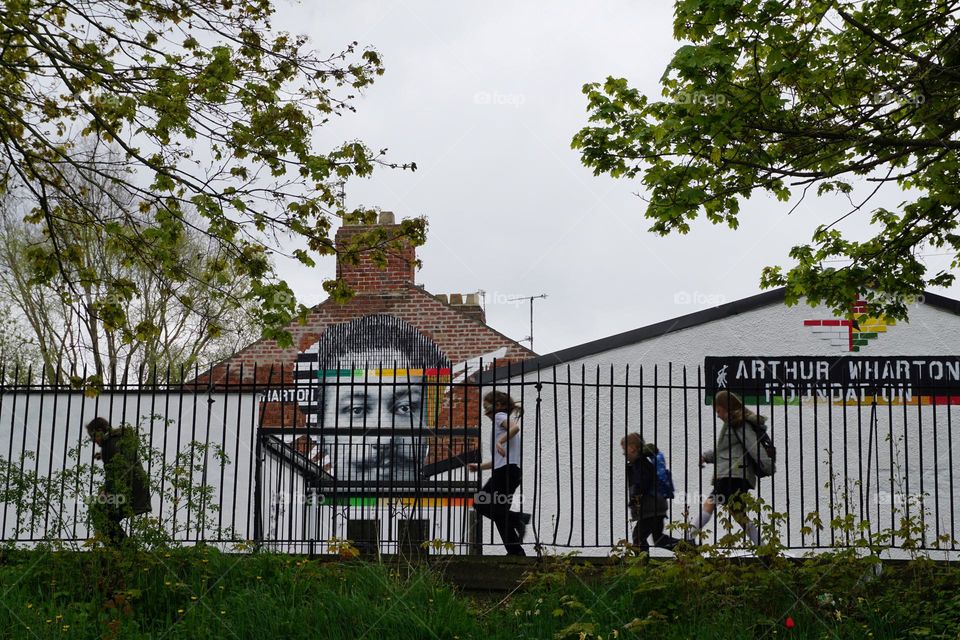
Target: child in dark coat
x: 126, y: 487
x: 648, y: 509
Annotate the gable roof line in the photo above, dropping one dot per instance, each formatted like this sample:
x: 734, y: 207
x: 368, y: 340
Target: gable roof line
x: 672, y: 325
x: 407, y: 287
x: 420, y: 289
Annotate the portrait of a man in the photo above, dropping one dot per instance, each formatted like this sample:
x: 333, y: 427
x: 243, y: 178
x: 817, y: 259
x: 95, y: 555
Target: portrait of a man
x: 373, y: 380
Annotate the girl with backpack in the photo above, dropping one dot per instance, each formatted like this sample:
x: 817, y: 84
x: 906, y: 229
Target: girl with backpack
x: 648, y: 504
x: 734, y: 473
x: 495, y: 498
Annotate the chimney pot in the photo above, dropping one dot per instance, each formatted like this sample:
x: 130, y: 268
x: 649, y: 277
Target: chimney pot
x: 364, y: 276
x: 473, y: 299
x: 442, y: 297
x: 456, y: 299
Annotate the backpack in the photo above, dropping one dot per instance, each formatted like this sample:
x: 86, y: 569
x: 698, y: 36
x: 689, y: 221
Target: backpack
x: 764, y: 459
x: 664, y: 487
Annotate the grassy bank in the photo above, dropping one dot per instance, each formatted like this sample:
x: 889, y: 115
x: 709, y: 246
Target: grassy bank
x: 197, y: 593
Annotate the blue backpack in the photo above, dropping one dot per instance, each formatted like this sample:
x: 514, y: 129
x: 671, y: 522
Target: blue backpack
x: 664, y: 487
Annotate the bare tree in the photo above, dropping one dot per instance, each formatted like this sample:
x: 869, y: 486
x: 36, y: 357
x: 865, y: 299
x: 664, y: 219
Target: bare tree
x: 110, y: 315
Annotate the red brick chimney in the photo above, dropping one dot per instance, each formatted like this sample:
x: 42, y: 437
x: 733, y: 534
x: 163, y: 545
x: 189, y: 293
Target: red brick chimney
x: 366, y: 276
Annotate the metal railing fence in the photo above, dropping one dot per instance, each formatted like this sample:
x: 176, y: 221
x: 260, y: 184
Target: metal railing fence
x: 376, y: 456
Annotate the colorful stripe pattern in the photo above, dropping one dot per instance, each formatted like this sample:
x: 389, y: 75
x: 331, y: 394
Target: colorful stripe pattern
x: 373, y: 502
x: 850, y: 335
x: 382, y: 373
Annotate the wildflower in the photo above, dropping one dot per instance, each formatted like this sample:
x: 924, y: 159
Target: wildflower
x: 223, y: 612
x: 194, y: 598
x: 789, y: 623
x: 180, y: 611
x: 66, y: 627
x: 59, y: 617
x: 29, y: 605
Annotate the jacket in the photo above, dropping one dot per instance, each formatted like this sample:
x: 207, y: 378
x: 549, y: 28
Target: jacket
x: 729, y: 456
x: 123, y: 473
x: 642, y: 478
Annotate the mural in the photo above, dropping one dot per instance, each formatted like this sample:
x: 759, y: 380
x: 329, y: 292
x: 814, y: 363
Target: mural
x: 850, y: 335
x: 372, y: 388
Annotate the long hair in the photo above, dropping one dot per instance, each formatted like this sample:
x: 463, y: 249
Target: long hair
x: 497, y: 401
x: 736, y: 412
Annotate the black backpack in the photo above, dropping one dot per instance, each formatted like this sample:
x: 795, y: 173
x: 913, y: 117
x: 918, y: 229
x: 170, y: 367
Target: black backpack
x: 764, y: 459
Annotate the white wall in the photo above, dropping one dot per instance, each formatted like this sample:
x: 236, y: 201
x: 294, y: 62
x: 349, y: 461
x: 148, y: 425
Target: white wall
x: 583, y: 416
x: 43, y: 429
x: 46, y: 427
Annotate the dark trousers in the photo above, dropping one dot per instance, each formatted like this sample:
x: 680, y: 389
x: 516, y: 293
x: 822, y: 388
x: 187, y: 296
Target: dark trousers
x: 107, y: 522
x: 493, y: 501
x: 646, y: 527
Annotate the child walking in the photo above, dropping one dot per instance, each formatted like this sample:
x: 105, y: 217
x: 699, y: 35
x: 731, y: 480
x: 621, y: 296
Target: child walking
x: 648, y: 507
x: 493, y: 501
x: 734, y: 475
x: 126, y: 488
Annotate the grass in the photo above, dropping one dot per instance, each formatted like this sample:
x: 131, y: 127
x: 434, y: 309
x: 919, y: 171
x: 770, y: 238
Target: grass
x: 200, y: 593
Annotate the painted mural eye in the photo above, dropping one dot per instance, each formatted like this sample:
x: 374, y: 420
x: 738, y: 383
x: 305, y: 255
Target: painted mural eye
x: 354, y: 410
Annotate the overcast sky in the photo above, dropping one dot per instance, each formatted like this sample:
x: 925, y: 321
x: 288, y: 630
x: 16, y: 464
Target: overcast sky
x: 485, y: 98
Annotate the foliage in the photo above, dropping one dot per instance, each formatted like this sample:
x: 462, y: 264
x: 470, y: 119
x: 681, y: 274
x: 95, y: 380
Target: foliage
x: 213, y: 113
x: 167, y: 322
x: 53, y: 504
x: 200, y: 592
x: 19, y: 354
x: 774, y: 96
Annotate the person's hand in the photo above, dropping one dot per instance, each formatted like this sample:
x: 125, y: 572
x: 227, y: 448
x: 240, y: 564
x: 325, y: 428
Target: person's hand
x: 703, y: 461
x: 473, y: 467
x: 97, y: 456
x: 501, y: 449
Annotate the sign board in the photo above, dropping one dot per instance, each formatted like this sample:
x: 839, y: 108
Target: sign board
x: 841, y: 378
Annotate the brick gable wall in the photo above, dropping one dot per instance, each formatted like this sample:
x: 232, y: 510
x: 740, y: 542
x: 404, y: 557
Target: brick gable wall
x: 458, y: 330
x: 459, y: 336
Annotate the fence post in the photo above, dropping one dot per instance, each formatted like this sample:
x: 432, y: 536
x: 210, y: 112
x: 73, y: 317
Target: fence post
x: 258, y: 492
x: 474, y: 533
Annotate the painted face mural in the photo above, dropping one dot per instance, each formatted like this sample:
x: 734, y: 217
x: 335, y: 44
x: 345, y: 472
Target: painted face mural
x: 373, y: 392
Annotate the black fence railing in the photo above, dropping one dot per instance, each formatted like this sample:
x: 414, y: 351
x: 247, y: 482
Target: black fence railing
x: 378, y: 457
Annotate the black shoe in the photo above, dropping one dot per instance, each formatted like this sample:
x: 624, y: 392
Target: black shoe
x: 521, y: 530
x: 523, y: 519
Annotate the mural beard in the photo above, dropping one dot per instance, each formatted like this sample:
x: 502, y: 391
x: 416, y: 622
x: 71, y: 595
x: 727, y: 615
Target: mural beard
x: 367, y: 380
x: 366, y: 403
